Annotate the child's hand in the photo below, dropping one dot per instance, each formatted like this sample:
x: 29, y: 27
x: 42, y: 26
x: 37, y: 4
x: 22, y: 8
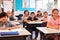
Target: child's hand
x: 1, y: 28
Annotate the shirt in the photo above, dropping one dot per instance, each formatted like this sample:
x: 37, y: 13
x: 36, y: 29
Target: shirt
x: 53, y: 22
x: 59, y: 20
x: 30, y: 18
x: 8, y: 24
x: 12, y: 18
x: 45, y: 19
x: 24, y: 18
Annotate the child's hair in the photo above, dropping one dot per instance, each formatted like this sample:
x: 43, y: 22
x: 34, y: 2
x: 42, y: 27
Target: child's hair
x: 38, y: 14
x: 55, y: 10
x: 32, y: 13
x: 38, y: 11
x: 3, y: 14
x: 26, y: 11
x: 50, y: 37
x: 45, y: 12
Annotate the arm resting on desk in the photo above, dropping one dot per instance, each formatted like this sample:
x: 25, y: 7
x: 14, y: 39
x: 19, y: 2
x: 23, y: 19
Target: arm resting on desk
x: 53, y: 27
x: 9, y: 28
x: 26, y: 20
x: 14, y: 27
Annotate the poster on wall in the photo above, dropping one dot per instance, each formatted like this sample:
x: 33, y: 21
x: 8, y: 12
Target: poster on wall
x: 25, y: 3
x: 7, y: 6
x: 32, y: 3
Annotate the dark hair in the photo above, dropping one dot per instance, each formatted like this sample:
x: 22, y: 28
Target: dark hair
x: 50, y: 37
x: 32, y: 13
x: 26, y: 11
x: 38, y: 11
x: 38, y: 14
x: 45, y: 12
x: 55, y: 10
x: 3, y: 14
x: 12, y: 10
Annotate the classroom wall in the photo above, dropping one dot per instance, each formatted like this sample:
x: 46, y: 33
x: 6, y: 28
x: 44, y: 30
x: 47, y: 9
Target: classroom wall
x: 35, y: 5
x: 19, y: 5
x: 43, y: 5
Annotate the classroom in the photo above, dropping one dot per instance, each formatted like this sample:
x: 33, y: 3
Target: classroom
x: 29, y: 19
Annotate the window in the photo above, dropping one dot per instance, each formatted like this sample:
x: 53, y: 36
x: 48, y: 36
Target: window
x: 44, y: 5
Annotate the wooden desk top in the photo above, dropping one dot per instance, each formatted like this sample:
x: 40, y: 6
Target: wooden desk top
x: 33, y: 22
x: 14, y: 22
x: 22, y: 32
x: 48, y: 30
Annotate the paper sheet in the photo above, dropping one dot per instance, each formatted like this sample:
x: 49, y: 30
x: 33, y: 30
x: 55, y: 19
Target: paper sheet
x: 34, y: 22
x: 19, y: 29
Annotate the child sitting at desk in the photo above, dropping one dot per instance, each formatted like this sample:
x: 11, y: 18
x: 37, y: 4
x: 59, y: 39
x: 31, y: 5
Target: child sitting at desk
x: 39, y: 15
x: 10, y: 16
x: 26, y: 15
x: 24, y: 18
x: 33, y: 18
x: 44, y: 19
x: 45, y: 16
x: 5, y: 24
x: 53, y: 21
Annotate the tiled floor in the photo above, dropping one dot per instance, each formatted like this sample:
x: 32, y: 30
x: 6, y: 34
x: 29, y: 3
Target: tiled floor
x: 21, y: 25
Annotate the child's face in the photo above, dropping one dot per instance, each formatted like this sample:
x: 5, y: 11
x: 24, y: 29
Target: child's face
x: 4, y: 19
x: 26, y: 13
x: 32, y: 15
x: 55, y: 13
x: 45, y: 14
x: 39, y: 13
x: 9, y: 14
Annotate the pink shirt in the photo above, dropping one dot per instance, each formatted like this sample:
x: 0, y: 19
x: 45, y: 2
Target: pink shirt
x: 45, y: 19
x: 54, y: 22
x: 59, y: 19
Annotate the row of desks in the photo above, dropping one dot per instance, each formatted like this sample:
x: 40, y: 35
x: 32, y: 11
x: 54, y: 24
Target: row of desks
x: 44, y: 31
x: 23, y: 33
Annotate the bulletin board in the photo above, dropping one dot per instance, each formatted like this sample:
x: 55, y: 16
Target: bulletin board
x: 25, y: 5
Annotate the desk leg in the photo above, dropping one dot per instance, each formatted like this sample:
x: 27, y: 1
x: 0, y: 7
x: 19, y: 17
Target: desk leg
x: 41, y: 36
x: 44, y: 37
x: 28, y: 38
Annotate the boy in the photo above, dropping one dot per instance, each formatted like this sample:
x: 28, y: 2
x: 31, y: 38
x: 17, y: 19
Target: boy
x: 33, y: 18
x: 5, y: 24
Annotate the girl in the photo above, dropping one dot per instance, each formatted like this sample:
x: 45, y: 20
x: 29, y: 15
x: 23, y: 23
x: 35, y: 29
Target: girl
x: 53, y: 22
x: 39, y: 15
x: 26, y: 14
x: 45, y: 16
